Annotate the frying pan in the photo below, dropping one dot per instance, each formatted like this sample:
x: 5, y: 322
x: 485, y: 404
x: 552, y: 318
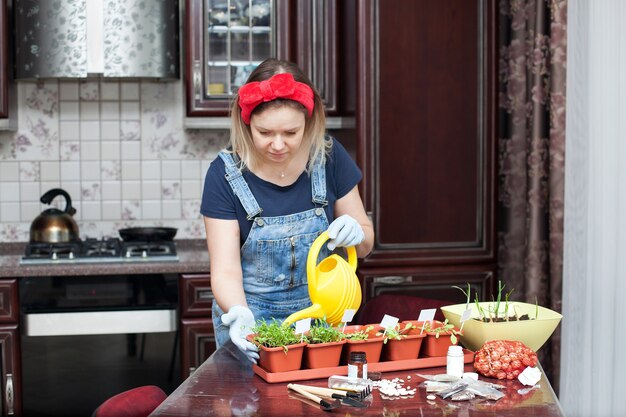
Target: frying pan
x: 147, y: 233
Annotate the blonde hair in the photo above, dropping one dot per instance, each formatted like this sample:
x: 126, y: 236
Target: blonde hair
x: 314, y: 128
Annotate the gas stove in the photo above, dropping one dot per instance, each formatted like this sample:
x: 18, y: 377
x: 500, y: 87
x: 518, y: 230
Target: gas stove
x: 108, y: 250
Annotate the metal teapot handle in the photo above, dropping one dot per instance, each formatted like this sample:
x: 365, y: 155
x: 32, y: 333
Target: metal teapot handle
x: 311, y: 261
x: 51, y: 194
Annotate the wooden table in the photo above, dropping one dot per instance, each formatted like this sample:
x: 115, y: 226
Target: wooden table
x: 225, y: 385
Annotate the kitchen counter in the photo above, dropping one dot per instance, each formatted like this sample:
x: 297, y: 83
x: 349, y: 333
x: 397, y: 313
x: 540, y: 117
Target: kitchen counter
x: 225, y: 385
x: 193, y: 258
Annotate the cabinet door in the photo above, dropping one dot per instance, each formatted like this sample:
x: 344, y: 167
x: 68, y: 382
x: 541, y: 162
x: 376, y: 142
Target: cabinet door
x: 426, y: 126
x: 10, y: 372
x: 198, y: 343
x: 434, y: 283
x: 226, y: 39
x: 8, y: 301
x: 196, y: 297
x: 4, y: 57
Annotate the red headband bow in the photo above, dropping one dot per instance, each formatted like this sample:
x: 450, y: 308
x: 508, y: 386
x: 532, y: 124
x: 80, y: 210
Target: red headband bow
x: 278, y: 86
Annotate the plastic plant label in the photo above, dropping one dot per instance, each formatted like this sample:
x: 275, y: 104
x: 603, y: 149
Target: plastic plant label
x: 388, y: 322
x: 529, y: 376
x: 466, y: 315
x: 348, y: 315
x: 303, y: 325
x: 427, y: 315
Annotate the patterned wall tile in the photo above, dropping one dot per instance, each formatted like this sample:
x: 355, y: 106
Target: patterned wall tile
x: 29, y: 171
x: 37, y: 137
x: 131, y: 210
x: 69, y: 150
x: 119, y: 148
x: 89, y: 90
x: 130, y: 130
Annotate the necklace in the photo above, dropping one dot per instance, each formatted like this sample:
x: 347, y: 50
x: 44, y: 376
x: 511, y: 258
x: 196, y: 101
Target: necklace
x: 282, y: 174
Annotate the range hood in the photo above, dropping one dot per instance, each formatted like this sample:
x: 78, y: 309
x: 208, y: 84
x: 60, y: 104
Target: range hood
x: 109, y: 38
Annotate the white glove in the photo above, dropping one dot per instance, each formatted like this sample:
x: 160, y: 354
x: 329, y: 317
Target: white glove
x: 344, y: 231
x: 241, y: 321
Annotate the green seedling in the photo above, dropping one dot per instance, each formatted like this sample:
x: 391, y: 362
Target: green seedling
x: 274, y: 334
x: 492, y: 312
x: 467, y: 293
x: 322, y: 332
x: 396, y: 333
x: 360, y: 335
x: 444, y: 328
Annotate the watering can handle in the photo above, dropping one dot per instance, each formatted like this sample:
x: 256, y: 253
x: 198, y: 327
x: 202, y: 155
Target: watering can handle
x: 311, y: 262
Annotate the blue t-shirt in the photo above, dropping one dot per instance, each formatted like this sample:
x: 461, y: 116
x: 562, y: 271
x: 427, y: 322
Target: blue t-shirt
x: 219, y: 201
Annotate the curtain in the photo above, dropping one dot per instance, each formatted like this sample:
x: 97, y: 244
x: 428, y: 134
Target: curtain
x: 532, y: 36
x: 594, y: 327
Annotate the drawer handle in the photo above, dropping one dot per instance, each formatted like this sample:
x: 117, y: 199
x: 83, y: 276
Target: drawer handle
x: 8, y: 395
x: 205, y: 295
x: 197, y: 80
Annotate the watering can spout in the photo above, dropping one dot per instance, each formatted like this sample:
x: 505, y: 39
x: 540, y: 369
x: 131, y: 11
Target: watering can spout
x: 333, y: 285
x: 315, y: 312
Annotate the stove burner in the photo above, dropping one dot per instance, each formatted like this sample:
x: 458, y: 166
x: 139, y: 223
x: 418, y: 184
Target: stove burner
x: 100, y: 248
x: 147, y: 248
x: 53, y: 250
x: 93, y: 250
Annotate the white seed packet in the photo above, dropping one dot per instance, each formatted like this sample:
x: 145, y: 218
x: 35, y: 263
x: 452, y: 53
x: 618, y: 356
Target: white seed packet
x: 529, y: 376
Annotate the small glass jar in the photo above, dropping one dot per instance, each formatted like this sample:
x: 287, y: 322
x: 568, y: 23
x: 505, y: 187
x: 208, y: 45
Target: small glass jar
x: 454, y: 361
x: 357, y: 365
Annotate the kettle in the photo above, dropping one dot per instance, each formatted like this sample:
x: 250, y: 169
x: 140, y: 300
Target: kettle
x: 333, y: 285
x: 54, y: 225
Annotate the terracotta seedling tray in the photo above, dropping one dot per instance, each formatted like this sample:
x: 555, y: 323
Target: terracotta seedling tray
x: 389, y: 366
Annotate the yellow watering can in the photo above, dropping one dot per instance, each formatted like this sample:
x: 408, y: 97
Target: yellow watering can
x: 333, y: 285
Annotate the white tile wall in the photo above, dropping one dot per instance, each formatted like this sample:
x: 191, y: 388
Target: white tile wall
x: 118, y: 148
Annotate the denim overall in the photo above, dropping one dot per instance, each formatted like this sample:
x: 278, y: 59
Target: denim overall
x: 273, y: 257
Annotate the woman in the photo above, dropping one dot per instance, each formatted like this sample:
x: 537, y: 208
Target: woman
x: 268, y: 197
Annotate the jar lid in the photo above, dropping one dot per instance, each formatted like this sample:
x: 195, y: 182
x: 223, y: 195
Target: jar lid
x: 357, y: 356
x: 455, y: 350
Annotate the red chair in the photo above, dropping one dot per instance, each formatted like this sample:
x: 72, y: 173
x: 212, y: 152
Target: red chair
x: 404, y: 307
x: 136, y: 402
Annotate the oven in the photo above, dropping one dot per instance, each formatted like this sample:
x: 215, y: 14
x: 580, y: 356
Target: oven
x: 86, y: 338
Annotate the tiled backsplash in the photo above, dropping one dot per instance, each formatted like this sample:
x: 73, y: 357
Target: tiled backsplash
x: 118, y: 148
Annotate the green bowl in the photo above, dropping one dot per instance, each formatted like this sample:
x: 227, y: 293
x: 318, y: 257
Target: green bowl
x: 533, y: 333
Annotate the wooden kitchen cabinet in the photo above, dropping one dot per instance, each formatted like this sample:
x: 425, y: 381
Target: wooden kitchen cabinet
x: 8, y: 301
x: 11, y: 375
x: 428, y: 282
x: 426, y: 141
x: 4, y: 65
x: 222, y: 49
x: 10, y: 370
x: 196, y: 324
